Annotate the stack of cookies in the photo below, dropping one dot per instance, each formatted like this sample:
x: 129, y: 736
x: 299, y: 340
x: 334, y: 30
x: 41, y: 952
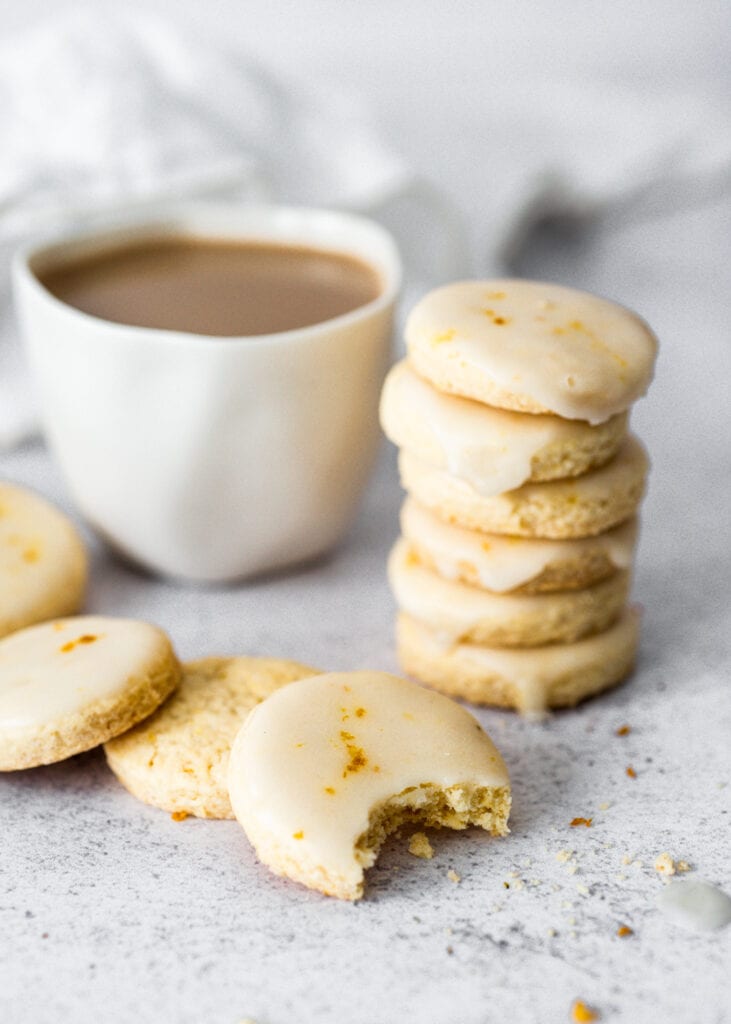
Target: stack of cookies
x: 512, y: 573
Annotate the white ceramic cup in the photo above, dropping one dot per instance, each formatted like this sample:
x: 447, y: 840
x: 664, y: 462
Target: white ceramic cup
x: 203, y: 458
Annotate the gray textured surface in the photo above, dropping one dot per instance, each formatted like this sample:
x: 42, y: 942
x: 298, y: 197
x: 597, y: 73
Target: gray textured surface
x: 111, y: 911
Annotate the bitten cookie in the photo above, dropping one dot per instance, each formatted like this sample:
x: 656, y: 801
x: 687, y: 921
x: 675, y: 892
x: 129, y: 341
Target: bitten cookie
x: 532, y: 347
x: 580, y: 507
x: 531, y: 679
x: 71, y: 684
x: 43, y: 565
x: 458, y: 612
x: 515, y: 565
x: 178, y: 758
x: 324, y: 770
x: 493, y: 450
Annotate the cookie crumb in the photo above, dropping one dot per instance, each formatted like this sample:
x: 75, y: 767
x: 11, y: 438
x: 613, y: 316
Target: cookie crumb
x: 682, y: 865
x: 604, y: 806
x: 581, y: 821
x: 564, y: 855
x: 453, y: 876
x: 179, y: 815
x: 419, y: 846
x: 582, y: 1014
x: 664, y: 864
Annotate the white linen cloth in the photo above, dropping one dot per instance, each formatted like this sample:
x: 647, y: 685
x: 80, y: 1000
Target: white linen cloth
x: 100, y: 114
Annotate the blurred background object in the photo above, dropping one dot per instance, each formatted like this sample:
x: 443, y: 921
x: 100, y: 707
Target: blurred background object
x: 490, y: 138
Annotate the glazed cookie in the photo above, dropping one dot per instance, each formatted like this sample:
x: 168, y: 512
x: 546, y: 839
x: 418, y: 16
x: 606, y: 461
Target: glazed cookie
x: 580, y: 507
x: 43, y: 564
x: 531, y: 679
x: 532, y: 347
x: 515, y: 565
x: 493, y: 450
x: 458, y: 612
x: 71, y: 684
x: 324, y: 770
x: 178, y: 758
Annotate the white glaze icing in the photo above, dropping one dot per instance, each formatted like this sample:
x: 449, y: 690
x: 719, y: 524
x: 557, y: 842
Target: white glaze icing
x: 63, y: 667
x: 695, y: 904
x: 455, y: 609
x: 492, y: 449
x: 534, y: 670
x: 571, y: 353
x: 593, y: 487
x: 40, y: 553
x: 502, y: 563
x: 313, y: 760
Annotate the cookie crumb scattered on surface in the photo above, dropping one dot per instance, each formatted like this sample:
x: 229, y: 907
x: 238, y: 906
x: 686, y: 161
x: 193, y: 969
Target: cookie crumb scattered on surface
x: 419, y: 846
x: 582, y: 1014
x: 604, y: 806
x: 664, y: 864
x: 453, y: 876
x: 564, y: 855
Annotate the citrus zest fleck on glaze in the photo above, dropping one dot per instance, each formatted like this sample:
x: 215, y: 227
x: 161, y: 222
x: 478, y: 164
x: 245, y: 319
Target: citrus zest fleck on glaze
x: 87, y: 638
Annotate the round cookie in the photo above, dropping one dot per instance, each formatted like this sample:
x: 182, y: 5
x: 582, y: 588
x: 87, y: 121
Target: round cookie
x: 530, y: 680
x: 559, y: 509
x: 532, y: 347
x: 43, y: 564
x: 515, y: 565
x: 178, y: 758
x: 459, y: 613
x: 71, y: 684
x: 493, y: 450
x: 324, y: 770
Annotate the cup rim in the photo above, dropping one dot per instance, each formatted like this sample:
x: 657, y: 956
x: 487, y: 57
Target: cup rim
x: 188, y: 218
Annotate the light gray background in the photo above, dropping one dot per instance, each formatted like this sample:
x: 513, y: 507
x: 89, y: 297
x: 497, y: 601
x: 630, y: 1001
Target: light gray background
x: 109, y: 911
